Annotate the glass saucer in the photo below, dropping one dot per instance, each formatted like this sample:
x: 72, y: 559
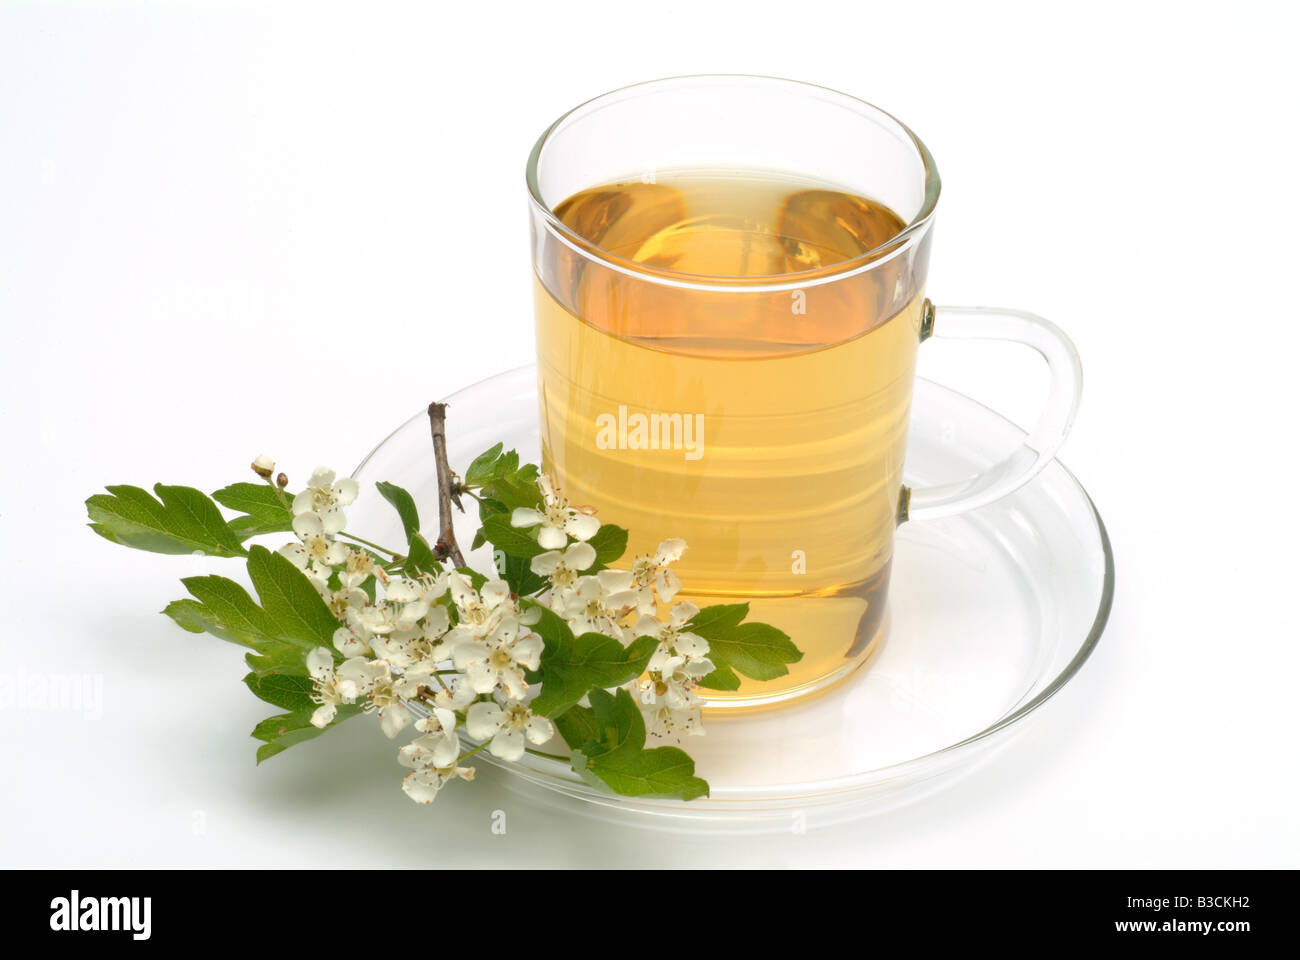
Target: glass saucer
x: 990, y: 614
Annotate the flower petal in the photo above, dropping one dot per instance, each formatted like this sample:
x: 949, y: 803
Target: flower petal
x: 683, y: 612
x: 422, y: 786
x: 346, y: 490
x: 320, y: 663
x: 484, y: 719
x: 551, y: 538
x: 579, y: 556
x: 670, y: 551
x: 525, y: 517
x: 495, y: 593
x: 507, y: 744
x: 394, y: 718
x: 581, y: 526
x: 545, y: 564
x: 539, y: 729
x: 333, y: 519
x: 527, y: 650
x: 308, y: 525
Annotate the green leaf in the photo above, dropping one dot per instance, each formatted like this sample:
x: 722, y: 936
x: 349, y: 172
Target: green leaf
x: 616, y: 758
x: 481, y: 470
x: 610, y: 543
x: 577, y: 725
x: 294, y: 609
x: 263, y: 510
x: 284, y: 658
x: 192, y: 616
x: 487, y: 507
x: 229, y: 612
x: 571, y: 666
x: 512, y: 541
x: 518, y: 573
x: 518, y: 489
x: 405, y: 506
x: 286, y: 691
x: 756, y: 650
x: 182, y: 520
x: 718, y: 619
x: 421, y: 559
x: 285, y: 730
x: 722, y: 678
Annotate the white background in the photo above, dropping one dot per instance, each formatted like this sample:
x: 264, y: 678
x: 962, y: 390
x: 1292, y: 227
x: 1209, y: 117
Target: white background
x: 237, y: 228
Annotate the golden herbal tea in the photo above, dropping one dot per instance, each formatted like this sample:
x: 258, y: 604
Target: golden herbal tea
x: 682, y: 396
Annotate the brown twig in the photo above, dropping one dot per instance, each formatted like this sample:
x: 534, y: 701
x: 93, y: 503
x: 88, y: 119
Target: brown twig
x: 448, y: 486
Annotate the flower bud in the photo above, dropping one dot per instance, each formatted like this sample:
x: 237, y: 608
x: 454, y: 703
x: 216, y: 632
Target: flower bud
x: 263, y: 466
x: 282, y: 481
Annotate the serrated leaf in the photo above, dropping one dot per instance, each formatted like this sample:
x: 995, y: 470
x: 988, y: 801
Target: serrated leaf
x: 230, y: 613
x: 717, y: 619
x: 263, y: 510
x: 512, y: 541
x: 287, y: 691
x: 404, y: 503
x: 571, y: 666
x: 182, y: 520
x: 616, y: 759
x: 190, y: 615
x: 756, y: 650
x: 285, y: 730
x: 294, y: 609
x: 286, y: 658
x: 517, y: 490
x: 481, y: 470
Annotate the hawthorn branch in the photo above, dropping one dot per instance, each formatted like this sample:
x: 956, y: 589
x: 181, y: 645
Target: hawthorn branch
x: 448, y: 487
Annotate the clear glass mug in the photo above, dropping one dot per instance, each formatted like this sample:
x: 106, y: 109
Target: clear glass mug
x: 743, y: 381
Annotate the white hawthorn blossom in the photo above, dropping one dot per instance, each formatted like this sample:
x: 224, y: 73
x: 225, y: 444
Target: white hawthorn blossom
x: 386, y: 699
x: 432, y: 757
x: 598, y: 604
x: 508, y: 726
x: 457, y: 696
x: 415, y: 594
x: 331, y: 689
x: 358, y: 568
x: 414, y: 659
x: 326, y: 498
x: 557, y: 520
x: 673, y: 640
x: 479, y: 612
x: 316, y: 552
x: 563, y: 567
x: 651, y: 575
x: 350, y: 642
x: 665, y: 721
x: 422, y: 785
x: 500, y: 659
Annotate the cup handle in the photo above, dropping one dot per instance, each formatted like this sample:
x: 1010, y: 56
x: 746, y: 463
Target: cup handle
x: 1014, y: 326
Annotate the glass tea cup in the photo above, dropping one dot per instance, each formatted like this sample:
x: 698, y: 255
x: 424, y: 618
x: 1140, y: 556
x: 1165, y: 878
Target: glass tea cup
x: 730, y: 292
